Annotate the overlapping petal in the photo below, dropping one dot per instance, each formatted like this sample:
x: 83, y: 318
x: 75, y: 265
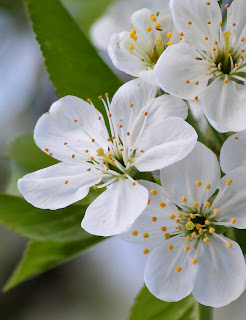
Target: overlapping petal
x: 68, y: 129
x: 58, y: 186
x: 116, y: 209
x: 233, y: 152
x: 221, y: 274
x: 196, y: 177
x: 236, y: 19
x: 179, y: 69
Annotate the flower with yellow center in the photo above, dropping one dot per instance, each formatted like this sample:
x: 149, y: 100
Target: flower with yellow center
x: 210, y: 65
x: 192, y: 255
x: 137, y: 51
x: 139, y: 140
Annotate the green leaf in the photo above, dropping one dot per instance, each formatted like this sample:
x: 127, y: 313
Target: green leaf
x: 148, y: 307
x: 73, y: 64
x: 42, y: 225
x: 41, y: 256
x: 27, y: 154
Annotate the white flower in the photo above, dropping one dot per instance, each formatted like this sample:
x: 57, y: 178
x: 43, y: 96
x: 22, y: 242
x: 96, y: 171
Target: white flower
x: 144, y: 137
x: 136, y: 52
x: 188, y: 253
x: 233, y: 152
x: 211, y: 65
x: 117, y: 18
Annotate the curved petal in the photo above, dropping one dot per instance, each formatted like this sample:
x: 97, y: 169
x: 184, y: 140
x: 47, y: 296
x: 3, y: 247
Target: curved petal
x: 57, y: 186
x: 177, y: 71
x: 236, y: 19
x: 149, y: 77
x: 68, y: 129
x: 116, y: 209
x: 182, y: 178
x: 233, y: 152
x: 164, y: 142
x: 231, y: 199
x: 154, y: 217
x: 191, y: 17
x: 161, y: 276
x: 224, y: 106
x: 221, y: 274
x: 122, y: 57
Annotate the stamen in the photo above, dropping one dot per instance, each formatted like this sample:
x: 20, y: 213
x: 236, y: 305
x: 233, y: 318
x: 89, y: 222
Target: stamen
x: 178, y: 269
x: 135, y: 233
x: 146, y: 251
x: 162, y: 204
x: 153, y: 191
x: 170, y: 247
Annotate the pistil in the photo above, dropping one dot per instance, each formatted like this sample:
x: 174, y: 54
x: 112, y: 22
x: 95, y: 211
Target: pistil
x: 226, y: 36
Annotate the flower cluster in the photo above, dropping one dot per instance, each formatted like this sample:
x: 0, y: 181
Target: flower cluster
x: 185, y: 52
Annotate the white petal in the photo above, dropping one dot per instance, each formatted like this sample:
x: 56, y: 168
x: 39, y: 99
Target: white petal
x: 159, y: 208
x: 180, y: 179
x: 236, y: 14
x: 199, y: 14
x: 74, y: 122
x: 161, y: 277
x: 231, y: 199
x: 164, y: 142
x: 178, y: 65
x: 221, y: 274
x: 233, y: 152
x: 57, y: 186
x: 149, y: 77
x: 122, y: 57
x: 224, y: 106
x: 116, y: 209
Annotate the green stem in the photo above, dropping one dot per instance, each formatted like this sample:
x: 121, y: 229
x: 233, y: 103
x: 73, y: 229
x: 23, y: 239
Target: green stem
x: 205, y: 313
x: 192, y: 121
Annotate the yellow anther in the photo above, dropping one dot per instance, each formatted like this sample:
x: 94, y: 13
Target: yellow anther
x: 196, y: 98
x: 195, y: 204
x: 134, y: 31
x: 187, y: 81
x: 134, y: 233
x: 233, y: 220
x: 148, y: 201
x: 234, y: 24
x: 236, y: 138
x: 152, y: 17
x: 211, y: 230
x: 208, y: 3
x: 208, y: 186
x: 215, y: 42
x: 225, y: 81
x: 181, y: 34
x: 216, y: 210
x: 131, y: 47
x: 192, y: 216
x: 172, y: 216
x: 95, y: 187
x: 146, y: 251
x: 163, y: 229
x: 184, y: 199
x: 208, y: 204
x: 177, y: 220
x: 227, y: 5
x: 187, y: 238
x: 153, y: 191
x: 198, y: 226
x: 146, y: 235
x: 206, y: 240
x: 135, y: 38
x: 154, y: 219
x: 158, y: 26
x: 209, y: 22
x: 134, y: 183
x: 194, y: 234
x: 169, y: 43
x: 197, y: 83
x: 131, y: 35
x: 201, y: 231
x: 229, y: 244
x: 162, y: 204
x: 159, y: 42
x: 206, y: 38
x: 207, y: 222
x: 189, y: 225
x: 178, y: 269
x: 229, y: 55
x: 46, y: 149
x: 194, y: 261
x: 167, y: 235
x: 186, y: 248
x: 180, y: 215
x: 228, y: 182
x: 179, y: 228
x: 169, y: 35
x: 190, y: 23
x: 66, y: 182
x: 170, y: 247
x: 148, y: 28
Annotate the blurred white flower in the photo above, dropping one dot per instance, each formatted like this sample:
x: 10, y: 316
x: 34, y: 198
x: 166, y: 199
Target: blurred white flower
x: 118, y: 18
x: 145, y: 136
x: 211, y: 65
x: 137, y: 52
x: 188, y: 253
